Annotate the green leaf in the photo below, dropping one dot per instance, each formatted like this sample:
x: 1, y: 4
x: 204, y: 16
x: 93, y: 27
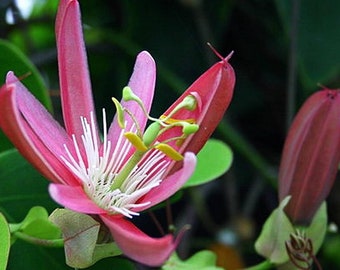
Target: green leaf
x: 21, y: 187
x: 213, y: 160
x: 27, y: 256
x: 37, y: 224
x: 42, y: 229
x: 80, y: 233
x: 36, y: 212
x: 24, y: 255
x: 275, y: 231
x: 4, y: 243
x: 12, y: 59
x: 113, y: 263
x: 318, y: 38
x: 203, y: 260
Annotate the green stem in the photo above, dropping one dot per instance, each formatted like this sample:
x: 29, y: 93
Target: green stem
x: 261, y: 266
x: 56, y: 243
x: 128, y: 167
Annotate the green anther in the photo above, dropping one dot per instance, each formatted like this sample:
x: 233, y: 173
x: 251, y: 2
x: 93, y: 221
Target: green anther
x: 120, y: 113
x: 189, y: 128
x: 128, y: 95
x: 151, y: 133
x: 189, y: 102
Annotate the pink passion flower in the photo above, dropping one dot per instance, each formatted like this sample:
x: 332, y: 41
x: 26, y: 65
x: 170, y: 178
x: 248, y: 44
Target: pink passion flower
x: 131, y: 167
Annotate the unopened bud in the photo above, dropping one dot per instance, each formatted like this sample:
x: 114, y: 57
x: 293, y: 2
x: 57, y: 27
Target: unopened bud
x: 311, y: 156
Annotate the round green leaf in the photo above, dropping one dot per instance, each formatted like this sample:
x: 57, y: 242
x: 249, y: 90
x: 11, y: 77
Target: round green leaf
x: 36, y: 212
x: 37, y: 224
x: 42, y: 229
x: 4, y: 243
x: 203, y: 260
x: 213, y: 160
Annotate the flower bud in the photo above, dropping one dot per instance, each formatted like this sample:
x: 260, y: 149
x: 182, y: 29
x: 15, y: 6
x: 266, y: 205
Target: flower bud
x: 311, y: 156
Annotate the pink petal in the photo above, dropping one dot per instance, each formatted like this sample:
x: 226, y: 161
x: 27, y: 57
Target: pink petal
x: 74, y: 198
x: 61, y: 13
x: 75, y: 85
x: 172, y: 183
x: 137, y: 245
x: 33, y: 131
x: 142, y: 83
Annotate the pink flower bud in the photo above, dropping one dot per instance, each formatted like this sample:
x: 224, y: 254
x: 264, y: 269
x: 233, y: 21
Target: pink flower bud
x: 311, y: 156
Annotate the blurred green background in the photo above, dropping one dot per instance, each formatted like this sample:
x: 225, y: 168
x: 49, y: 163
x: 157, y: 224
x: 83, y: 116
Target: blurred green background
x: 283, y: 51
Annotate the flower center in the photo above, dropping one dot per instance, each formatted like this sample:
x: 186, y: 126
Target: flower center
x: 113, y: 183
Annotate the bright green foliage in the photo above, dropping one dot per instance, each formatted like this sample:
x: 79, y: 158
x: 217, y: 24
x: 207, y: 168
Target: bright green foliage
x: 81, y: 233
x: 12, y: 59
x: 203, y: 260
x: 37, y: 225
x: 213, y: 160
x: 4, y: 243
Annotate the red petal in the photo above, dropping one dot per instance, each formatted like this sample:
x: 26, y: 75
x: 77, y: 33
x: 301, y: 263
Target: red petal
x: 215, y: 89
x: 311, y: 156
x: 33, y: 131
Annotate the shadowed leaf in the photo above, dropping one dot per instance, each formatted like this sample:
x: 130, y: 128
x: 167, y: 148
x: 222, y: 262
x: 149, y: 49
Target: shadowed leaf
x: 80, y: 234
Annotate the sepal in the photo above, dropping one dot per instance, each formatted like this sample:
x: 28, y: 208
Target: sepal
x: 278, y: 228
x: 81, y: 235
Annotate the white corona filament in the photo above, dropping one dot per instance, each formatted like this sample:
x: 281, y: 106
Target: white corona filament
x: 98, y: 169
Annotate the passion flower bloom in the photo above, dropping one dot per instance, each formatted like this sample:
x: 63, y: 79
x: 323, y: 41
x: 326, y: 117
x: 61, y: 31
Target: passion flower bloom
x: 131, y: 167
x: 311, y: 156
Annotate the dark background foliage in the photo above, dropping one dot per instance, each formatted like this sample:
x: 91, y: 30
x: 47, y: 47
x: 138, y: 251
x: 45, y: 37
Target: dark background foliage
x: 282, y: 51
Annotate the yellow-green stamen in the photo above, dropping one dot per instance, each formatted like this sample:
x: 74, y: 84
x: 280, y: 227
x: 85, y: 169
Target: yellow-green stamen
x: 114, y: 177
x: 169, y: 151
x: 120, y: 113
x: 136, y: 141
